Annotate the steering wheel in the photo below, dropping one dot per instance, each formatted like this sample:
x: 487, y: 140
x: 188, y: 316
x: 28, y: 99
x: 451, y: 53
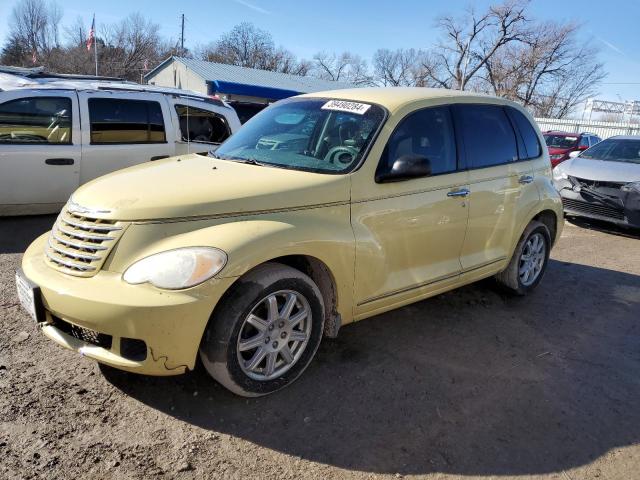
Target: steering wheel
x: 341, y: 154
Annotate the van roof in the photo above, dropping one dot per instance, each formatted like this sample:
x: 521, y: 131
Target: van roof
x: 395, y: 97
x: 15, y: 78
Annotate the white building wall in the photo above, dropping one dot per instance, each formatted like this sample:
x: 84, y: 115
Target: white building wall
x: 176, y: 74
x: 602, y: 129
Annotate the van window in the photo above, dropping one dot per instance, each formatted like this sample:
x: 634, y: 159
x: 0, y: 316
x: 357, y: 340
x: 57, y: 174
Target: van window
x: 488, y: 136
x: 125, y: 121
x: 36, y: 120
x: 199, y: 125
x: 427, y: 132
x: 528, y: 133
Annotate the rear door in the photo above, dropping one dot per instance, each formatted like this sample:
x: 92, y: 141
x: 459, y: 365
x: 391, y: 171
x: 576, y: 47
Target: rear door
x: 40, y: 150
x: 123, y: 129
x: 200, y: 126
x: 501, y: 185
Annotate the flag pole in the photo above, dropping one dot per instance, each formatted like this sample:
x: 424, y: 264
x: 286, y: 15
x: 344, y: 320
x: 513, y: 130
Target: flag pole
x: 95, y: 45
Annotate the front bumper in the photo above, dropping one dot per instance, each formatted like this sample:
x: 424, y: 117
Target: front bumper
x: 605, y: 203
x: 170, y: 323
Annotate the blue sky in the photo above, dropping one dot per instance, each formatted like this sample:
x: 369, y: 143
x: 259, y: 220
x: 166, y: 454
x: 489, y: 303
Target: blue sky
x: 362, y: 26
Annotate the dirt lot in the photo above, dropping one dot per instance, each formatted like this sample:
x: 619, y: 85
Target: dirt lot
x: 469, y: 384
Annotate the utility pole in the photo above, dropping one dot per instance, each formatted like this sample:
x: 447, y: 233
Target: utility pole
x: 182, y: 37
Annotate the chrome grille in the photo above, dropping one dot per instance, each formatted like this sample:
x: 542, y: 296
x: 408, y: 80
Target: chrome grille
x: 79, y: 244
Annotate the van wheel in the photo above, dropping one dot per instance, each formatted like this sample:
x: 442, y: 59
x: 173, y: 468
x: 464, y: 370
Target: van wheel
x: 529, y: 261
x: 265, y: 331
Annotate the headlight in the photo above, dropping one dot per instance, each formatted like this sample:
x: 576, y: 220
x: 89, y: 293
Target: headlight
x: 631, y: 187
x: 179, y: 268
x: 559, y: 174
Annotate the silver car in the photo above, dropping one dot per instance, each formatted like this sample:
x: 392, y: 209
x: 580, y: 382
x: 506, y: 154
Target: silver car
x: 603, y: 182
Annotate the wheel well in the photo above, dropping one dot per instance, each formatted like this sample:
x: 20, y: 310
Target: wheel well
x: 321, y: 275
x: 549, y: 219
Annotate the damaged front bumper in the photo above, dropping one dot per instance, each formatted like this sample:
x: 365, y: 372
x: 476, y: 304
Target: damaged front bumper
x: 137, y: 328
x: 607, y: 201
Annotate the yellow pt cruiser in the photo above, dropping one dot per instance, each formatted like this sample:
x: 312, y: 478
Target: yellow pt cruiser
x: 322, y: 210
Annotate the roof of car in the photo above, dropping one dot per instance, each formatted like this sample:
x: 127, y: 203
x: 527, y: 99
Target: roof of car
x: 625, y: 137
x: 395, y: 97
x: 14, y: 78
x: 562, y: 133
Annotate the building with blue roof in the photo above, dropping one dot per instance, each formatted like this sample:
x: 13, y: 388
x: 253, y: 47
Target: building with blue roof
x: 234, y: 84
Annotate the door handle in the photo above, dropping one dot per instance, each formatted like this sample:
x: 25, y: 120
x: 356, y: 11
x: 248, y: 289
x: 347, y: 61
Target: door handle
x: 59, y: 161
x: 524, y: 179
x: 158, y: 157
x: 463, y: 192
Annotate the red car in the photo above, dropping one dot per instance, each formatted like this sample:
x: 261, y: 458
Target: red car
x: 561, y: 144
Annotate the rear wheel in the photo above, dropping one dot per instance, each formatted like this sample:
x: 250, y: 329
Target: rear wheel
x: 265, y: 331
x: 529, y: 261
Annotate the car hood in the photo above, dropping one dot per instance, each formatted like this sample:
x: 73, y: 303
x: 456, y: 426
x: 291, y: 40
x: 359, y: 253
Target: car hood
x: 603, y: 171
x: 195, y: 186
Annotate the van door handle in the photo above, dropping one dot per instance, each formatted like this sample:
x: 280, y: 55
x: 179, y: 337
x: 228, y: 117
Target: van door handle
x: 463, y: 192
x: 524, y: 179
x: 158, y: 157
x: 59, y: 161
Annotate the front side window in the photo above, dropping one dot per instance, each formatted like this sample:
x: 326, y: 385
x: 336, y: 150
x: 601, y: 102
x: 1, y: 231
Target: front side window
x: 488, y: 136
x: 199, y: 125
x: 615, y: 150
x: 428, y: 133
x: 584, y: 142
x: 36, y: 120
x: 560, y: 141
x: 125, y: 121
x: 529, y: 136
x: 312, y: 134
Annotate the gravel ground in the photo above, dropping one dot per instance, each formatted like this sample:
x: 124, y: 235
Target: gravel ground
x: 472, y: 383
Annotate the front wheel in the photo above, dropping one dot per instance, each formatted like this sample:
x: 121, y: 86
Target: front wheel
x: 529, y: 261
x: 265, y: 331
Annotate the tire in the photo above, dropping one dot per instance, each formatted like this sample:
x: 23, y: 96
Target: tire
x: 511, y: 278
x: 231, y: 329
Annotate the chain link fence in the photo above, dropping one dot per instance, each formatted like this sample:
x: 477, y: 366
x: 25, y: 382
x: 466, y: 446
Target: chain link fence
x: 602, y: 129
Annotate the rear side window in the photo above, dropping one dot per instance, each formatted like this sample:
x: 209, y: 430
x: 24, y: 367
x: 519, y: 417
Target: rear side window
x: 584, y: 142
x: 36, y: 120
x: 199, y: 125
x: 125, y: 121
x: 427, y: 132
x: 532, y: 148
x: 487, y: 134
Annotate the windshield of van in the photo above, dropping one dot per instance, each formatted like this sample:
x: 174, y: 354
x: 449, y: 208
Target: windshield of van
x: 312, y: 134
x: 615, y: 150
x: 560, y: 141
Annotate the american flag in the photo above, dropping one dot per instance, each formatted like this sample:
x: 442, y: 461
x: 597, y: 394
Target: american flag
x: 92, y: 33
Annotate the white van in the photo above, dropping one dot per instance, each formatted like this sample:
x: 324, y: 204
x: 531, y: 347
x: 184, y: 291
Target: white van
x: 60, y: 131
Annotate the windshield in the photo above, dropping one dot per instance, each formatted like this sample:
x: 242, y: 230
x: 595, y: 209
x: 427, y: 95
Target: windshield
x: 560, y: 141
x: 615, y: 150
x: 313, y: 134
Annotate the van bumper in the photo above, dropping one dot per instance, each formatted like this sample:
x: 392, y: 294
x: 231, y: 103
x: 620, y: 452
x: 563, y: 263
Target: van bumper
x: 137, y: 328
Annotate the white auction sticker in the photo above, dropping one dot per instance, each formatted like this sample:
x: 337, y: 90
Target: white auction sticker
x: 345, y: 106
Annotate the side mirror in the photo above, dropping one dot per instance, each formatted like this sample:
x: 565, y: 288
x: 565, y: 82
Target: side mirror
x: 575, y: 153
x: 406, y: 167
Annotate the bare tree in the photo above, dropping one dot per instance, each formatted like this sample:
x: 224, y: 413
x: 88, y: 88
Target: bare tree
x: 550, y: 70
x: 248, y: 46
x: 34, y: 29
x: 344, y: 67
x: 399, y: 68
x: 470, y: 42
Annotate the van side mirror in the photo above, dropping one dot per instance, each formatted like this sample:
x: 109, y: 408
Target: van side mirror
x: 406, y: 167
x: 575, y: 153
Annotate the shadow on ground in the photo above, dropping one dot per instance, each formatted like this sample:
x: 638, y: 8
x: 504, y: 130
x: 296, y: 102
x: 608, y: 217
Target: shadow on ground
x: 604, y: 227
x: 16, y: 233
x: 471, y: 382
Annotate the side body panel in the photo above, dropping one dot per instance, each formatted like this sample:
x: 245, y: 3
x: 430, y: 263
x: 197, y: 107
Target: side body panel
x: 99, y: 159
x: 39, y: 177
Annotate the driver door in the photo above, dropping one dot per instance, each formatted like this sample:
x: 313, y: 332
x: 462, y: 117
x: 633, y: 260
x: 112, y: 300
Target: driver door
x: 40, y: 150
